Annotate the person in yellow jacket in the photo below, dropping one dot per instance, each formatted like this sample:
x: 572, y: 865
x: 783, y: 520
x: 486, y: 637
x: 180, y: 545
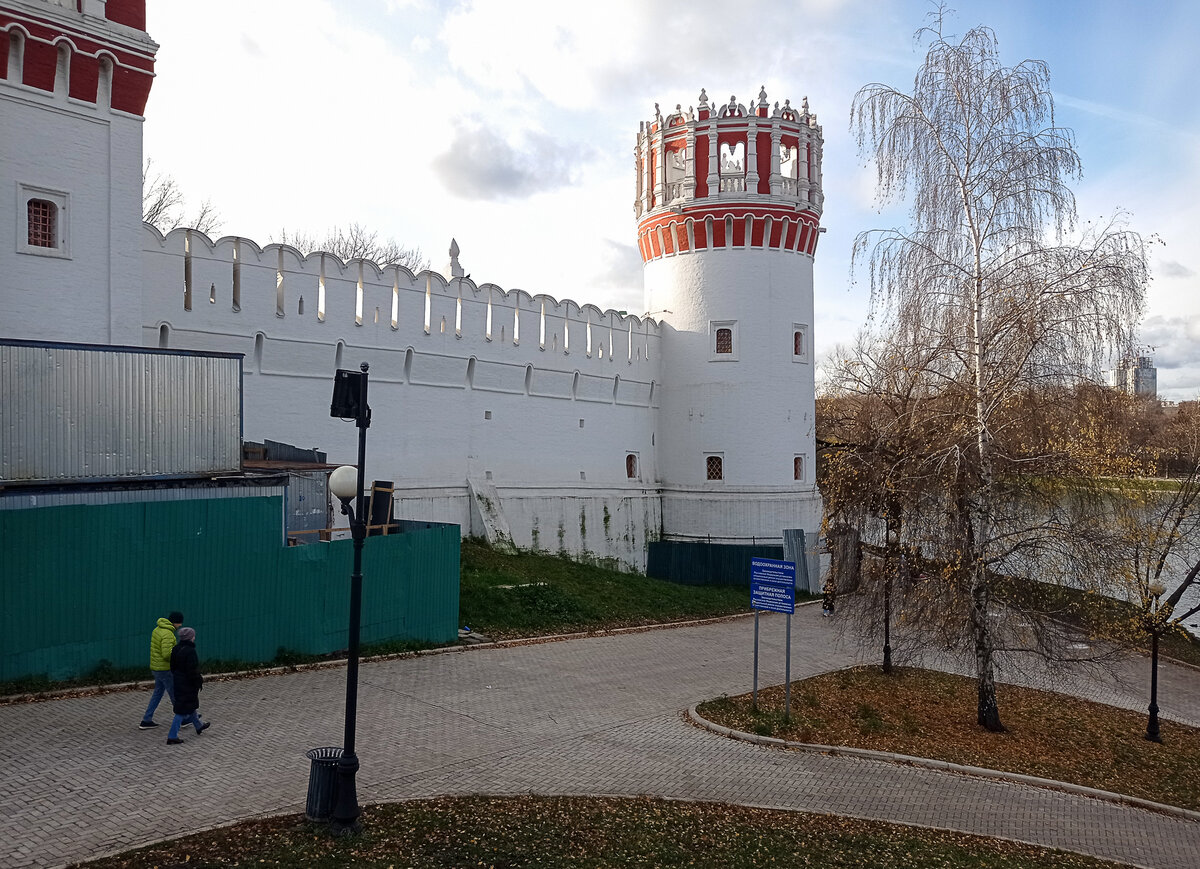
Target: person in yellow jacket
x: 162, y: 641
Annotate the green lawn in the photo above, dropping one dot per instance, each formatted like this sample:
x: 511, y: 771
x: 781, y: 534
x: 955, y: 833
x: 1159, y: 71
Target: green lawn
x: 506, y: 596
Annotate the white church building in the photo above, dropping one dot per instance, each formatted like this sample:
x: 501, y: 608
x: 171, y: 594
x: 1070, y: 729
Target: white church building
x: 563, y: 426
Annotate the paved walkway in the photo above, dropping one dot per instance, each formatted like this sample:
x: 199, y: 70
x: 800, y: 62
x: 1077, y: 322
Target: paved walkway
x: 589, y: 716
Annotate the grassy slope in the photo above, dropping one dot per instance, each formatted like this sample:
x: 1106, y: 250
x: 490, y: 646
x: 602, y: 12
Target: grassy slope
x: 555, y: 595
x: 1102, y: 617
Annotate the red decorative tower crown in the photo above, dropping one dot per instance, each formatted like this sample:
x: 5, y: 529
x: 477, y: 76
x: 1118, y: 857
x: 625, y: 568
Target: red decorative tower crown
x: 724, y: 176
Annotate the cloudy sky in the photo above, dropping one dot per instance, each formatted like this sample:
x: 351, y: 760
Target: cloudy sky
x: 510, y: 124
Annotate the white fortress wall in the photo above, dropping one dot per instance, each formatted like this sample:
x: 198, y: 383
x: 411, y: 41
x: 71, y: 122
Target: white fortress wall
x: 544, y: 399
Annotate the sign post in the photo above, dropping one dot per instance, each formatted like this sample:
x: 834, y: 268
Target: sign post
x: 773, y: 588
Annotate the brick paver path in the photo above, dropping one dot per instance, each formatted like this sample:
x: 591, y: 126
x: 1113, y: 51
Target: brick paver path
x: 588, y: 716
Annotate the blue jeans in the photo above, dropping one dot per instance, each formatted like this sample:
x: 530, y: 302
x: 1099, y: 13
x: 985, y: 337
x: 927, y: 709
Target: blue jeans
x: 192, y: 718
x: 162, y: 683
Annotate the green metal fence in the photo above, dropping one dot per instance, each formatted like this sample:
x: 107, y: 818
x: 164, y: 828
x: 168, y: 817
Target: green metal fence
x: 82, y: 584
x: 695, y: 562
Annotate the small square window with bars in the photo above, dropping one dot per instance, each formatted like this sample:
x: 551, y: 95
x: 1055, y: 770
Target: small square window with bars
x: 714, y: 468
x: 43, y: 223
x: 724, y: 340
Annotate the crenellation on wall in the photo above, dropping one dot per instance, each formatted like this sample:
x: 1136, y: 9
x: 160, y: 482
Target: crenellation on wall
x: 385, y: 306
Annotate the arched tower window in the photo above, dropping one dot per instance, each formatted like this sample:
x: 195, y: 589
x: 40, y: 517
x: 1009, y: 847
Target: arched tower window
x: 631, y: 466
x: 733, y: 167
x: 714, y: 467
x: 800, y: 342
x: 798, y: 468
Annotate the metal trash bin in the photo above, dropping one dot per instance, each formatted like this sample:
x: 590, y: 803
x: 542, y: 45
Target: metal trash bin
x: 322, y: 781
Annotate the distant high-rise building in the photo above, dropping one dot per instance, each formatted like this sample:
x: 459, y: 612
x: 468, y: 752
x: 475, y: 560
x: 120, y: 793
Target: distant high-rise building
x: 1135, y: 375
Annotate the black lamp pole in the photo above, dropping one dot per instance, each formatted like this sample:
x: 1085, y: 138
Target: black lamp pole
x: 1152, y: 733
x: 887, y: 618
x: 346, y: 810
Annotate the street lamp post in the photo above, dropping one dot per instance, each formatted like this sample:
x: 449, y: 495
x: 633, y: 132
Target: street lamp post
x: 1152, y: 733
x: 346, y: 482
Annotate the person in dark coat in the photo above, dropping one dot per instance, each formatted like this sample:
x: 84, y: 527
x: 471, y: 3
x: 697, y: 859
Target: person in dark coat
x: 185, y: 673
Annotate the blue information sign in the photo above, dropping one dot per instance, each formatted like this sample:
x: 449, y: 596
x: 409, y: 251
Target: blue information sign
x: 773, y: 585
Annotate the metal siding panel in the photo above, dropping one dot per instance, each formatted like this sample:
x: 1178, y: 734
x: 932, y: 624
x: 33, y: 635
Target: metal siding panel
x: 82, y: 413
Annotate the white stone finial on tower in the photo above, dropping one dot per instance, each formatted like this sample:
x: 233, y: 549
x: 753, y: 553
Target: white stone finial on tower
x: 703, y: 98
x: 453, y: 269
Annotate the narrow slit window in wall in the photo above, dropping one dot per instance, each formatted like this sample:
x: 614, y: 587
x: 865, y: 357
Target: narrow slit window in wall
x: 428, y: 303
x: 631, y: 466
x: 187, y: 270
x: 542, y: 328
x: 487, y: 332
x: 321, y: 291
x: 458, y: 318
x: 279, y: 286
x: 358, y: 297
x: 237, y: 276
x: 798, y: 468
x: 395, y: 298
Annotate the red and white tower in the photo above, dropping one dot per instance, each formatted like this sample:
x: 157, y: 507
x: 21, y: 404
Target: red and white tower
x: 74, y: 79
x: 728, y: 203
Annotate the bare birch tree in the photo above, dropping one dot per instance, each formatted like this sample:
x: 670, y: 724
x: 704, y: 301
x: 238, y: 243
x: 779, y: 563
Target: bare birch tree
x: 993, y: 271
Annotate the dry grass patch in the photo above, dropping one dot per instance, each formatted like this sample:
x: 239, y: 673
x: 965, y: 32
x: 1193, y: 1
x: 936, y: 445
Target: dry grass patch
x: 527, y: 832
x: 928, y: 714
